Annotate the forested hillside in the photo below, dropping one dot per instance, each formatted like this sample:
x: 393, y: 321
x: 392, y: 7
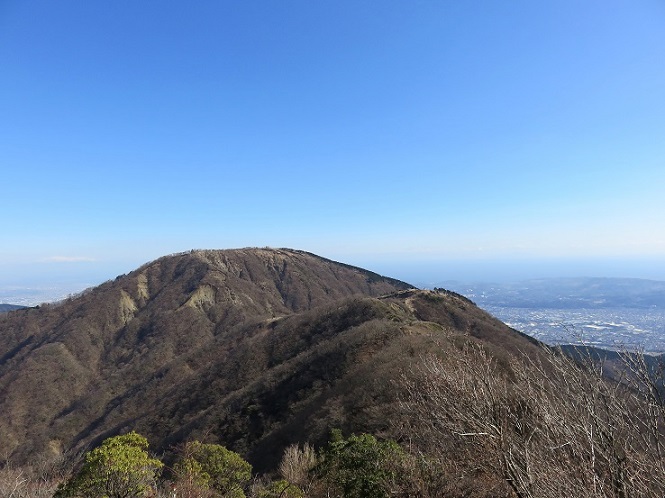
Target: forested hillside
x: 281, y: 356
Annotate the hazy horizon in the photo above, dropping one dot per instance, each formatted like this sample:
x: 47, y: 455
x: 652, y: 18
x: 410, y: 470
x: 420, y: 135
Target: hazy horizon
x: 59, y: 279
x: 503, y: 271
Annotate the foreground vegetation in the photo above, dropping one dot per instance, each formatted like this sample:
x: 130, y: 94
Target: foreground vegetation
x: 472, y: 423
x: 121, y: 467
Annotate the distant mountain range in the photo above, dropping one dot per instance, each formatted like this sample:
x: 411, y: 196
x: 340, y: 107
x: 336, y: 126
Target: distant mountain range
x: 9, y: 307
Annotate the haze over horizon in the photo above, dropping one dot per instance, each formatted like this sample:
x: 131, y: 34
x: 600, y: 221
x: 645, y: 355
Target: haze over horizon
x: 29, y: 285
x: 473, y: 140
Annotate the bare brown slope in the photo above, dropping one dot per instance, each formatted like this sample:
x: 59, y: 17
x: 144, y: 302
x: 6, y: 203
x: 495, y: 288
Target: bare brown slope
x: 264, y: 385
x: 65, y: 367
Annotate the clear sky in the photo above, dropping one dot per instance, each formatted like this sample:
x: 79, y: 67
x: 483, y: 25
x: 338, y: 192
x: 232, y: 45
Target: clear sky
x: 379, y: 133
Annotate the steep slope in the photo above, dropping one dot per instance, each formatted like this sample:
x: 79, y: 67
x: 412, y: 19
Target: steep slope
x: 294, y: 379
x: 65, y: 367
x: 255, y: 349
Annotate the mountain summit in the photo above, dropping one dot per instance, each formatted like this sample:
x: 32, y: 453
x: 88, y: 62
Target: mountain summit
x: 67, y: 370
x: 255, y: 348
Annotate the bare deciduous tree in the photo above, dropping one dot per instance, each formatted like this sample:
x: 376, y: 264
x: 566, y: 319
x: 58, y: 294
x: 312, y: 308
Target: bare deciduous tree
x: 296, y: 465
x: 546, y: 425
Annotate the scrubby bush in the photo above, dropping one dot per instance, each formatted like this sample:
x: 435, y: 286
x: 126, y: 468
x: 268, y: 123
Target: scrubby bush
x: 210, y: 470
x: 119, y: 468
x: 360, y: 466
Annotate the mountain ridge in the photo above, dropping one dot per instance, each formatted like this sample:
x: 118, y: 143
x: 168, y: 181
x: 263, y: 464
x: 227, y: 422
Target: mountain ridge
x: 5, y: 307
x: 82, y: 356
x: 256, y: 349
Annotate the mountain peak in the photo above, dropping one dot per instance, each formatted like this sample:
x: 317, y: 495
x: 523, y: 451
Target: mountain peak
x: 263, y: 347
x: 80, y: 358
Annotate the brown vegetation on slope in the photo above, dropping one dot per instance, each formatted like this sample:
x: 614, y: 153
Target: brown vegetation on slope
x: 261, y: 349
x: 65, y: 367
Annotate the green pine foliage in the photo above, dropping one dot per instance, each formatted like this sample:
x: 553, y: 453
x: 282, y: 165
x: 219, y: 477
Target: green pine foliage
x: 213, y: 469
x: 360, y: 466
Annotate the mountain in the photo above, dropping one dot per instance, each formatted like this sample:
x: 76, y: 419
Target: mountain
x: 69, y: 371
x: 9, y: 307
x: 259, y: 347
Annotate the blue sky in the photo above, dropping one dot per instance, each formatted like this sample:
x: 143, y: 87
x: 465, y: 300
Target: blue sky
x: 384, y: 134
